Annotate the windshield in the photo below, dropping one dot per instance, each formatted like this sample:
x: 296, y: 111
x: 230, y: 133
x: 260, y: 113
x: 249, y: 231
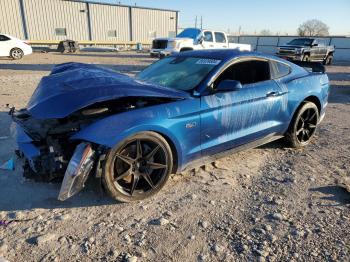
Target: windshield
x: 302, y: 41
x: 182, y: 73
x: 190, y: 33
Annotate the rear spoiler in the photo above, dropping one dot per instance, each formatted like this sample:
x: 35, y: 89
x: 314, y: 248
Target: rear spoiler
x: 314, y: 66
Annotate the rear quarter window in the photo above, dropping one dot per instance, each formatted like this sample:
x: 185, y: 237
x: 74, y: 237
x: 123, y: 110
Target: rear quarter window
x: 4, y: 38
x: 279, y: 69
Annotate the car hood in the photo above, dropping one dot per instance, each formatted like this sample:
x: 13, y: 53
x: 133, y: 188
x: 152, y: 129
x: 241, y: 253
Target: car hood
x: 73, y: 86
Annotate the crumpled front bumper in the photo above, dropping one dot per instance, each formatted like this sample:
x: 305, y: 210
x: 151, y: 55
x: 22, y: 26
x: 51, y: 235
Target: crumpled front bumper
x: 77, y: 171
x: 25, y: 144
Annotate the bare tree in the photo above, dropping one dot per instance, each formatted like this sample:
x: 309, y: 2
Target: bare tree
x: 313, y: 27
x: 265, y: 32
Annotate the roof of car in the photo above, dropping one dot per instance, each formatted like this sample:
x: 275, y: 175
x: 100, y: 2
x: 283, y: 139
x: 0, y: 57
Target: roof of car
x: 221, y: 54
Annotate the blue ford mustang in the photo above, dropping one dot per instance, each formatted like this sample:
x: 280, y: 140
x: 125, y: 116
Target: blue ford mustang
x: 132, y: 133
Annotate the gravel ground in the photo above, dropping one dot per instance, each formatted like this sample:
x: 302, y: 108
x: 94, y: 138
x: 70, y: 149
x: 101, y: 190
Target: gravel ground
x: 266, y: 204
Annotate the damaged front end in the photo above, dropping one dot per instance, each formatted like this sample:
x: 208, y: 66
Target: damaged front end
x: 49, y: 152
x: 65, y: 102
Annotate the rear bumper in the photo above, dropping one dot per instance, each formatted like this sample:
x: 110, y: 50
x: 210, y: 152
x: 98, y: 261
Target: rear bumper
x: 27, y: 50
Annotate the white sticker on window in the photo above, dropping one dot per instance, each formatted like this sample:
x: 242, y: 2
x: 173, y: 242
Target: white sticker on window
x: 208, y: 62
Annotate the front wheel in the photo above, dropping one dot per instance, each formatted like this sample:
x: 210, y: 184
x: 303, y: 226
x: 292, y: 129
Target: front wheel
x: 138, y: 167
x: 303, y: 126
x: 16, y: 53
x: 306, y: 58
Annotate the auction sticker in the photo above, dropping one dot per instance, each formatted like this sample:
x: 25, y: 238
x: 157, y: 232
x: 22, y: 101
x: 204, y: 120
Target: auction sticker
x: 208, y: 62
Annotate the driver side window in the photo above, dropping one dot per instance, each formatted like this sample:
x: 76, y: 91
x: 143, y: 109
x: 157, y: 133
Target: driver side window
x: 208, y: 36
x: 246, y: 72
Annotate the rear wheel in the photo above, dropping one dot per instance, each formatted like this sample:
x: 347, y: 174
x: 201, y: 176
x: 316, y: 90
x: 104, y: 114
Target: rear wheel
x: 16, y: 53
x: 303, y: 126
x: 328, y: 60
x: 138, y: 167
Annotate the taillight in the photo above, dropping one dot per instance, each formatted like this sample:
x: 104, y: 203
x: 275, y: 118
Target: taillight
x: 27, y: 43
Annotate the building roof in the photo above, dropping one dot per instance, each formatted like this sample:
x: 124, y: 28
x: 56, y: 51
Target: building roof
x: 115, y: 4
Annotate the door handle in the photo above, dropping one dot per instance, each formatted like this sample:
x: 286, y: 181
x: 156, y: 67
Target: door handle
x: 272, y: 94
x: 211, y: 45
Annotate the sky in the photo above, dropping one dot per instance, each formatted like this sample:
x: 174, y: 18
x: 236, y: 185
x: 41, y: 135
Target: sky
x: 253, y: 16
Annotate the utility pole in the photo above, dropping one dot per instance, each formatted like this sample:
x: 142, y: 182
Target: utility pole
x: 201, y: 22
x: 195, y: 23
x: 239, y: 30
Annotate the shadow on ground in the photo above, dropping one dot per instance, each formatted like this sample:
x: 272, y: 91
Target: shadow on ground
x: 334, y: 193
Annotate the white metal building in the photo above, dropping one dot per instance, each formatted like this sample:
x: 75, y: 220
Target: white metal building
x: 83, y: 20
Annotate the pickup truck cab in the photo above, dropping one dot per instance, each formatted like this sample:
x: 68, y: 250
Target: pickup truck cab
x: 307, y: 49
x: 194, y: 39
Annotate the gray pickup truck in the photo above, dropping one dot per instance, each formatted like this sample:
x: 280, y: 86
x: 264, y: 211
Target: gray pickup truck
x: 307, y: 49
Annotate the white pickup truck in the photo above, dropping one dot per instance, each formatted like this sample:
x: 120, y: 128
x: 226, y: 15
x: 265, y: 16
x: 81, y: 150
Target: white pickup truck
x: 194, y: 39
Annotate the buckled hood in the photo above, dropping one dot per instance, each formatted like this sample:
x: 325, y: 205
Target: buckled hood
x: 73, y: 86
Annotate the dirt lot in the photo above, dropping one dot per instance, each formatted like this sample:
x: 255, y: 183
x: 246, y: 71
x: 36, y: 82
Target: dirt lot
x: 266, y: 204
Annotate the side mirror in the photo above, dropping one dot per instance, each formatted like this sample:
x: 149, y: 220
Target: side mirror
x: 200, y: 39
x: 229, y: 85
x: 314, y: 44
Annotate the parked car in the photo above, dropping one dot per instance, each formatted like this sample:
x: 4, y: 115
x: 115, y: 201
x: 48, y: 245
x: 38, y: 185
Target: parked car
x: 195, y: 106
x: 13, y: 47
x: 307, y: 49
x: 193, y: 39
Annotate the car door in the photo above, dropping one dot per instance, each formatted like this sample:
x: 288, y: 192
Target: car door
x: 220, y: 40
x: 315, y: 50
x: 5, y: 45
x: 208, y: 40
x: 233, y: 118
x: 322, y: 49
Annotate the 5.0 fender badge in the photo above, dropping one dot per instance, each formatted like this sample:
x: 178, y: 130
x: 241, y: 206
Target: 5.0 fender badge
x: 191, y: 125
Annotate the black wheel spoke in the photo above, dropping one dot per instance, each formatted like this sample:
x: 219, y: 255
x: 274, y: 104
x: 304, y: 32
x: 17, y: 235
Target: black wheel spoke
x: 126, y: 159
x: 123, y: 175
x: 152, y: 153
x: 312, y: 116
x: 299, y: 131
x: 303, y: 136
x: 153, y: 165
x: 307, y: 118
x: 134, y: 182
x: 138, y: 149
x: 147, y: 177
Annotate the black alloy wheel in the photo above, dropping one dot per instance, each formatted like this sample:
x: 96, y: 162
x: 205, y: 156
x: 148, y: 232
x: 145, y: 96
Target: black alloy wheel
x: 138, y: 167
x: 304, y: 125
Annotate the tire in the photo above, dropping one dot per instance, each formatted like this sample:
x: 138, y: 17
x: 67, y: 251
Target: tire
x: 306, y: 58
x: 138, y: 167
x: 16, y: 53
x: 185, y: 50
x: 328, y: 60
x: 303, y: 125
